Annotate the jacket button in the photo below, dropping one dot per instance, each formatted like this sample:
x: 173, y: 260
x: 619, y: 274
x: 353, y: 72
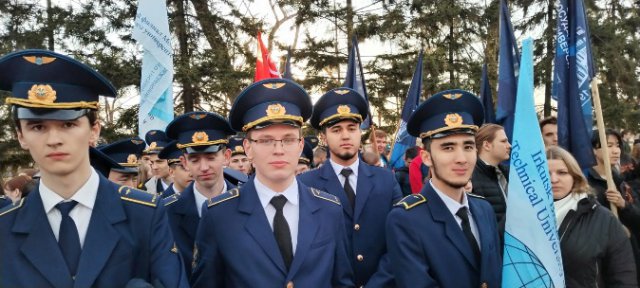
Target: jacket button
x: 290, y: 284
x: 360, y: 258
x: 484, y: 285
x: 356, y: 227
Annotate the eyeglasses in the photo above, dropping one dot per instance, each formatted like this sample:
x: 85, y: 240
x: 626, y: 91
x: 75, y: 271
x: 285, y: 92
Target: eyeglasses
x: 271, y: 143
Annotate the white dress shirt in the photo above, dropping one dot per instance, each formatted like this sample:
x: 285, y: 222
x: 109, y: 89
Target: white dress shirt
x: 353, y: 178
x: 81, y: 213
x: 200, y: 199
x: 454, y: 206
x: 291, y: 209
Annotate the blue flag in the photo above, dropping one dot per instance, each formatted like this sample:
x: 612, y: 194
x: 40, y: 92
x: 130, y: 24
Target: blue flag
x: 532, y: 255
x: 403, y: 140
x: 287, y: 67
x: 508, y: 65
x: 573, y: 71
x: 151, y: 30
x: 355, y: 78
x: 486, y: 97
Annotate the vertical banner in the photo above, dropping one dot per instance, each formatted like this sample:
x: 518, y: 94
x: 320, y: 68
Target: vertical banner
x: 355, y: 78
x: 508, y: 63
x: 403, y: 140
x: 532, y: 255
x: 151, y: 30
x: 486, y: 97
x: 573, y: 71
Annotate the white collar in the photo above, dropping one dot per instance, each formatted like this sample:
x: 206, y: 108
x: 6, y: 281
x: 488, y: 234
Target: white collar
x: 451, y: 204
x: 337, y: 168
x: 265, y: 193
x: 85, y: 196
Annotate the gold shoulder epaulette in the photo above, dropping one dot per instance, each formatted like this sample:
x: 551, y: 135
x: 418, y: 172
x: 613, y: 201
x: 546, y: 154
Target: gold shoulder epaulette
x: 475, y: 195
x: 230, y: 194
x: 15, y: 206
x: 411, y: 201
x: 171, y: 199
x: 325, y: 196
x: 138, y: 196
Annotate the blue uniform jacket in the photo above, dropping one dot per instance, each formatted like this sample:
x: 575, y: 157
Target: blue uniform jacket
x: 236, y: 247
x: 376, y: 192
x: 428, y: 248
x: 184, y: 219
x: 128, y: 237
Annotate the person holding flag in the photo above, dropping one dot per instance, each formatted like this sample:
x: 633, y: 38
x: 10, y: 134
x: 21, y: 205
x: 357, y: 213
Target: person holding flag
x: 444, y: 237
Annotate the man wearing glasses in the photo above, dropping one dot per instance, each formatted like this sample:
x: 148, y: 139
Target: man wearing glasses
x: 273, y: 231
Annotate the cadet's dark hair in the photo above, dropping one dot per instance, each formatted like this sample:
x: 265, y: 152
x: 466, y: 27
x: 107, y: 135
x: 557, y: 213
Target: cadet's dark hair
x: 411, y: 153
x: 595, y: 138
x: 92, y: 115
x: 549, y: 120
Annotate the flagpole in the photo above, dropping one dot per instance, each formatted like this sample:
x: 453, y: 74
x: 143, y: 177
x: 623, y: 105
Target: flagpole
x: 611, y: 185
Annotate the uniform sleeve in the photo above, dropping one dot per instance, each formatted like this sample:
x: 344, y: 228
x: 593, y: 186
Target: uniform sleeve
x: 409, y: 263
x: 342, y: 271
x: 618, y: 263
x: 208, y: 270
x: 166, y: 264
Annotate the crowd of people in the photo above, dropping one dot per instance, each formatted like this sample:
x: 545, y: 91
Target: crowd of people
x: 247, y: 201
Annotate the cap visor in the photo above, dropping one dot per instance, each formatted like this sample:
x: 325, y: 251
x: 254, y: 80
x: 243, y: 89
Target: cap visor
x: 49, y: 114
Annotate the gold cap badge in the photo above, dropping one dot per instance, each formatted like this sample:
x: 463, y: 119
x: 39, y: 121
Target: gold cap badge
x: 42, y: 93
x: 200, y: 137
x: 132, y: 159
x: 153, y: 145
x: 239, y: 149
x: 344, y: 109
x: 341, y: 91
x: 453, y: 120
x: 276, y: 110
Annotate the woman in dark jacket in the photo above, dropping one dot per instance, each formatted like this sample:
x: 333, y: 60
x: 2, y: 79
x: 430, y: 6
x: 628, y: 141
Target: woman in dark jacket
x: 596, y: 251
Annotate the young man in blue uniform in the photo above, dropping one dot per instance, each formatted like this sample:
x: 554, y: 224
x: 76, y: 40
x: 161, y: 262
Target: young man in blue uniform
x: 181, y: 176
x: 273, y: 231
x: 444, y: 237
x: 239, y: 160
x: 202, y: 137
x: 161, y: 180
x: 366, y: 192
x: 126, y: 153
x: 76, y: 229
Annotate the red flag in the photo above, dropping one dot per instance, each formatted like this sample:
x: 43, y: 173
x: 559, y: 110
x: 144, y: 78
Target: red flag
x: 265, y: 68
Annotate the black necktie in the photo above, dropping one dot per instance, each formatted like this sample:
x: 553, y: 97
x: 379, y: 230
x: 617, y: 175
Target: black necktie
x: 466, y: 229
x: 68, y: 238
x: 351, y: 195
x: 281, y: 230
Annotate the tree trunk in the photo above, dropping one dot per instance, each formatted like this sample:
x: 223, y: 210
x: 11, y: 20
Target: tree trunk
x: 188, y: 93
x: 50, y: 28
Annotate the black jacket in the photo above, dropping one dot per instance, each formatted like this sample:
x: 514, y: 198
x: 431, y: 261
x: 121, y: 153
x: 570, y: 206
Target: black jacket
x: 630, y: 214
x: 485, y: 184
x: 402, y: 175
x: 596, y: 251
